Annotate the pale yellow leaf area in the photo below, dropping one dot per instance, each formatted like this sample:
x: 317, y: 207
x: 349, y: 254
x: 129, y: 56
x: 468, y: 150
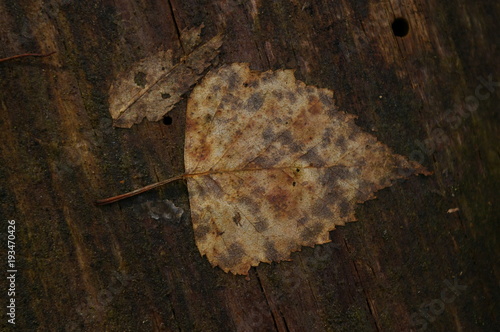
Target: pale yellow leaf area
x: 273, y: 165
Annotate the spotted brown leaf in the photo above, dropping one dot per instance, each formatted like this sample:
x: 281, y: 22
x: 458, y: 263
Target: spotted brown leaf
x: 274, y: 165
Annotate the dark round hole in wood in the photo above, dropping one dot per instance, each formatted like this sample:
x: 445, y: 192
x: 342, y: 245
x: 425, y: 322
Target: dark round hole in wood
x: 167, y: 120
x: 400, y: 27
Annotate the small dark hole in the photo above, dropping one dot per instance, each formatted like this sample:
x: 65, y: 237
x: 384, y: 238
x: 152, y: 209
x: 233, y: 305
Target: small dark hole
x: 400, y: 27
x: 245, y: 85
x: 298, y: 170
x: 167, y: 120
x: 165, y: 95
x: 294, y: 184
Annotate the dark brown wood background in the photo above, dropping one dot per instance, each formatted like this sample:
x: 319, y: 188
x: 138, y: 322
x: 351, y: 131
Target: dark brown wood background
x: 133, y: 267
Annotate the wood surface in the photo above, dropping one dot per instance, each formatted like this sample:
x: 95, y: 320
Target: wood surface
x: 134, y: 265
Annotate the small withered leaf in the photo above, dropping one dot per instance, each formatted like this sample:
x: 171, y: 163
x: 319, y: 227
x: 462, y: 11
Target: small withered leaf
x: 249, y: 136
x: 152, y: 86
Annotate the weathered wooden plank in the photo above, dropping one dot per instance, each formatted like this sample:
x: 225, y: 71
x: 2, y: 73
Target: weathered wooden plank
x: 127, y: 267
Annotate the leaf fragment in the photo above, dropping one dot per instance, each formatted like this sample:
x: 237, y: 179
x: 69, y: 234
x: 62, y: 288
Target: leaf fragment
x: 152, y: 86
x: 273, y: 165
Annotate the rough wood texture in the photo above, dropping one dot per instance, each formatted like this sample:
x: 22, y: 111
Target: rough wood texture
x: 134, y: 266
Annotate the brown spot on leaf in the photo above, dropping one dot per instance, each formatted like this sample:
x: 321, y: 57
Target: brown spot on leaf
x: 321, y: 211
x: 278, y: 199
x: 313, y: 158
x: 201, y: 232
x: 251, y: 205
x: 268, y: 133
x: 278, y: 95
x: 315, y: 106
x: 271, y: 252
x: 326, y: 99
x: 261, y: 226
x: 236, y: 251
x: 344, y: 208
x: 302, y: 221
x: 327, y: 137
x: 214, y: 187
x: 254, y: 102
x: 309, y: 234
x: 334, y: 174
x: 215, y: 88
x: 140, y: 79
x: 237, y: 219
x: 233, y: 256
x: 287, y: 140
x: 232, y: 78
x: 341, y: 144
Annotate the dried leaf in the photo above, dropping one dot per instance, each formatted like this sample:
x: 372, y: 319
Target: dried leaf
x: 272, y: 165
x: 152, y: 86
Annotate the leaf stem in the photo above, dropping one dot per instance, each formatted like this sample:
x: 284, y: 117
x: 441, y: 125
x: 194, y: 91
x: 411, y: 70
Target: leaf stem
x: 138, y: 191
